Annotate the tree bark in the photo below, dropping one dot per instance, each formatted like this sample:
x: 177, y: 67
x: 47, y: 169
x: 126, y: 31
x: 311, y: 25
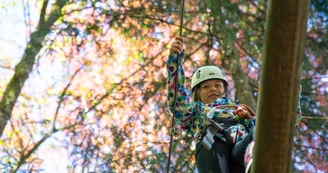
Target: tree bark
x: 25, y: 66
x: 241, y: 81
x: 279, y: 85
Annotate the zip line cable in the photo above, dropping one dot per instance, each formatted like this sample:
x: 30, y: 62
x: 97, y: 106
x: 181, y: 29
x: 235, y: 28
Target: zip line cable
x: 175, y: 90
x: 318, y: 118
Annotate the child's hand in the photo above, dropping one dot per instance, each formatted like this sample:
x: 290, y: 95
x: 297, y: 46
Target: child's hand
x: 177, y: 46
x: 242, y: 112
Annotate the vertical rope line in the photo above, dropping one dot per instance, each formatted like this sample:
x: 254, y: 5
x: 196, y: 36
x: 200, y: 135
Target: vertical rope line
x: 175, y: 89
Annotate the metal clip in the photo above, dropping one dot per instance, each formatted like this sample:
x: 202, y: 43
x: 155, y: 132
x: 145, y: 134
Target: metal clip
x: 174, y: 132
x: 217, y: 125
x: 208, y: 139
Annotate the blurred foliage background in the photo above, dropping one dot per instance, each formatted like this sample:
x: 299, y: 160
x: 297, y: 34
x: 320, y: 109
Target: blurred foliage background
x: 83, y: 83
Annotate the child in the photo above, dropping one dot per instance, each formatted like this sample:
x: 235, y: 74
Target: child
x: 209, y: 89
x: 233, y: 128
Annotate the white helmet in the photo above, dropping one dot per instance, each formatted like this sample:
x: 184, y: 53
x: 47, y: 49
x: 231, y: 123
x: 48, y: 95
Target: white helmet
x: 207, y: 72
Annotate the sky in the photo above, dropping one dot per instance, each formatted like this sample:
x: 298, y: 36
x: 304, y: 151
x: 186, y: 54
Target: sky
x: 12, y: 32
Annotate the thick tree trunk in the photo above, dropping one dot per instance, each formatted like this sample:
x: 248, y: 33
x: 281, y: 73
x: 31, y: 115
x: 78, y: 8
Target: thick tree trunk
x: 279, y: 87
x: 25, y: 66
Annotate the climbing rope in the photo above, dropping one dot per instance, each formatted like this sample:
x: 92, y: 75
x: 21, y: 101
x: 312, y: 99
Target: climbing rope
x: 176, y: 90
x: 244, y: 111
x: 314, y: 118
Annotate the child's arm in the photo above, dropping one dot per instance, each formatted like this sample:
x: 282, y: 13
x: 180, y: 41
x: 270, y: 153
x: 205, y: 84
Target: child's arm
x: 184, y: 107
x: 250, y: 122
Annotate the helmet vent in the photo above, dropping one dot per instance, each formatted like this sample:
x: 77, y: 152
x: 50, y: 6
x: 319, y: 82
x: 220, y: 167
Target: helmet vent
x: 198, y: 74
x: 223, y: 73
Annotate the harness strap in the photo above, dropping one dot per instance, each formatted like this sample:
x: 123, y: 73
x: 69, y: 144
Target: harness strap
x: 211, y: 125
x: 212, y: 129
x: 208, y: 139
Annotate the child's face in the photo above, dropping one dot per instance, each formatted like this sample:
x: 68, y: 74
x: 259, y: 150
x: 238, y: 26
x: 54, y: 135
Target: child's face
x: 211, y: 90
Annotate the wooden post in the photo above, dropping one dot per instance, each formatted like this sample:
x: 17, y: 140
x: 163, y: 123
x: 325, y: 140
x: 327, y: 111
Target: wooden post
x: 279, y: 87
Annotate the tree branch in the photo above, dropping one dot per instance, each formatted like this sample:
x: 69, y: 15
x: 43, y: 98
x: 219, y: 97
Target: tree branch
x: 61, y: 98
x: 43, y: 13
x: 25, y: 66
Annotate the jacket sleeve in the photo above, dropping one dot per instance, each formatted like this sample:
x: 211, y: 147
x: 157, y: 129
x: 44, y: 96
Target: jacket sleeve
x: 184, y: 107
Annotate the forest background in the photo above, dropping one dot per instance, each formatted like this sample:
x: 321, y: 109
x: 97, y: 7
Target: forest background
x: 83, y: 83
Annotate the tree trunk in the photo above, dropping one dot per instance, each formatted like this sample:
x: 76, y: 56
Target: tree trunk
x: 25, y: 66
x: 241, y: 81
x: 279, y: 87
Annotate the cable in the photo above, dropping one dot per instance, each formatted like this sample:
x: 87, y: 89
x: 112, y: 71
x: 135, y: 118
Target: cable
x: 318, y: 118
x: 176, y: 90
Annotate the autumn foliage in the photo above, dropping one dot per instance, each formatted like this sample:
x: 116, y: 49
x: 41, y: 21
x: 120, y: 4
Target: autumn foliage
x: 95, y: 100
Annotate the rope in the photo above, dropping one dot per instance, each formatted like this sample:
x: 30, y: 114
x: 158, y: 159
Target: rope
x: 318, y: 118
x: 249, y: 110
x: 254, y: 114
x: 176, y: 90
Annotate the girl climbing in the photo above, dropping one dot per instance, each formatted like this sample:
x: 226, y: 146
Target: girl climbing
x: 209, y: 89
x: 221, y: 129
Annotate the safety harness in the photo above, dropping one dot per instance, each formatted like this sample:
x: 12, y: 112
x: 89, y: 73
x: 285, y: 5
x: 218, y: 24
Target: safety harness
x: 211, y: 125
